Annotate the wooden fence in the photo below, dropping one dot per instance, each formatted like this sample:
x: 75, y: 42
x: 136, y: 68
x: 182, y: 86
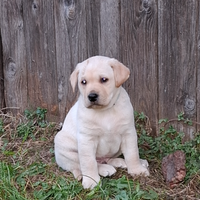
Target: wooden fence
x: 41, y: 41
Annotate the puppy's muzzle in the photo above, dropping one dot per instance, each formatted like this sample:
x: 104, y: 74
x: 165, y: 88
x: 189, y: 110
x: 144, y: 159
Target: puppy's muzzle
x: 93, y: 97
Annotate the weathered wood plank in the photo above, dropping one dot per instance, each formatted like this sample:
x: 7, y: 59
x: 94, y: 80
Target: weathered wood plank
x: 109, y: 28
x: 138, y: 51
x: 93, y: 20
x: 41, y: 51
x: 197, y: 45
x: 2, y: 102
x: 177, y: 58
x: 71, y: 47
x: 14, y: 54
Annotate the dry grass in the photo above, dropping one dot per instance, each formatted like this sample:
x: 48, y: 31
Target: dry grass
x: 39, y: 149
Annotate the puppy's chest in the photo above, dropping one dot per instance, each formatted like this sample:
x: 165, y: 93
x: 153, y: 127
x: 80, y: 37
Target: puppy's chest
x: 109, y: 127
x: 109, y: 130
x: 110, y: 123
x: 108, y: 145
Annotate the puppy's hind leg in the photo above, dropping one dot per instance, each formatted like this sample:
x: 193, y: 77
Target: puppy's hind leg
x: 66, y: 155
x: 68, y: 164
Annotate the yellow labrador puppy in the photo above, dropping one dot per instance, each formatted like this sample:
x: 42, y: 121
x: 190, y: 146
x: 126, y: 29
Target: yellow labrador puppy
x: 100, y: 126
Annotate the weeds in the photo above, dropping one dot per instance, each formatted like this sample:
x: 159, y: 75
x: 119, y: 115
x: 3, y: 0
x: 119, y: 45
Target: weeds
x: 122, y: 188
x: 33, y: 119
x: 28, y: 170
x: 169, y: 141
x: 8, y: 189
x: 1, y: 127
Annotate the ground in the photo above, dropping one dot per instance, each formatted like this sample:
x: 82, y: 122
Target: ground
x: 28, y: 169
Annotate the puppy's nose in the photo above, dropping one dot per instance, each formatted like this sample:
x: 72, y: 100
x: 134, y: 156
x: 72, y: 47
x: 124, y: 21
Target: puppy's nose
x: 93, y: 97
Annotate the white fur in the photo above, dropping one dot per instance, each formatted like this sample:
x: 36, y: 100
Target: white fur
x: 94, y: 134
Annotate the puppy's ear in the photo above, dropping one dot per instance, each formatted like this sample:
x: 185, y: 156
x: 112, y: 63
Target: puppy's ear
x: 121, y: 72
x: 74, y: 75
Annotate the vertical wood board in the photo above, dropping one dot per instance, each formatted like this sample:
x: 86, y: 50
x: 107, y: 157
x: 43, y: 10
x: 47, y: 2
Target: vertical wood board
x: 14, y: 55
x: 93, y: 26
x: 41, y: 51
x: 71, y: 47
x: 109, y: 31
x: 2, y: 102
x: 177, y: 59
x: 197, y: 43
x: 138, y: 50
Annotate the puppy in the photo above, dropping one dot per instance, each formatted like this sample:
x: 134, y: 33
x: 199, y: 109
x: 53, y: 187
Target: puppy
x: 100, y: 126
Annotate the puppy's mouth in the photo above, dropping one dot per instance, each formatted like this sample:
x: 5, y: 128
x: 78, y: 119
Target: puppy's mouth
x: 93, y: 101
x: 95, y: 105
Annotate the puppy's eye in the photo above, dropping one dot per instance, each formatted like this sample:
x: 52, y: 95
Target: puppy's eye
x: 84, y: 82
x: 104, y: 80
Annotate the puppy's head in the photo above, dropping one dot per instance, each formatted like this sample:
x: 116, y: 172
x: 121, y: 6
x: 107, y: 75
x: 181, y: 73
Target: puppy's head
x: 98, y: 80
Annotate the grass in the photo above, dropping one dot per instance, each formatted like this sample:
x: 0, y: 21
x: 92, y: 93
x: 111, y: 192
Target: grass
x: 28, y: 170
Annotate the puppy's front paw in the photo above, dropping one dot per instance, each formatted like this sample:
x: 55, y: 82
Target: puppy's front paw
x: 139, y: 170
x: 106, y: 170
x: 77, y: 174
x: 144, y: 163
x: 117, y: 162
x: 90, y: 182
